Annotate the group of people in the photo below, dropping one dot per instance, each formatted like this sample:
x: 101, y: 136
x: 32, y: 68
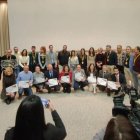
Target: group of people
x: 69, y: 69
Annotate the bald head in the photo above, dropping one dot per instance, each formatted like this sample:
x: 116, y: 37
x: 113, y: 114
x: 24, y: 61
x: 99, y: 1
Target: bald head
x: 49, y: 67
x: 26, y: 68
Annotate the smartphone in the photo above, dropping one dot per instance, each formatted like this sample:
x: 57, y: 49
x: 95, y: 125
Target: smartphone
x: 45, y: 102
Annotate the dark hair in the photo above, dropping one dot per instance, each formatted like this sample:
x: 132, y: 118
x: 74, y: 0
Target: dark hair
x: 66, y: 66
x: 73, y: 51
x: 50, y: 46
x: 138, y: 48
x: 33, y: 46
x: 115, y: 68
x: 30, y: 120
x: 23, y: 51
x: 108, y: 46
x: 93, y: 53
x: 120, y: 128
x: 83, y: 50
x: 90, y: 66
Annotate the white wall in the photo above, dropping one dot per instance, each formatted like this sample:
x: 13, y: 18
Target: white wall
x: 77, y: 23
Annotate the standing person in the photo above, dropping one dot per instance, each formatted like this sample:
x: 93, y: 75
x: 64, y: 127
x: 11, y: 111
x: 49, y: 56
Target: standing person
x: 17, y: 54
x: 79, y: 78
x: 23, y: 59
x: 8, y: 80
x: 91, y: 56
x: 66, y: 84
x: 128, y: 64
x: 33, y: 57
x: 51, y: 74
x: 27, y: 76
x: 120, y: 58
x: 42, y: 58
x: 110, y: 56
x: 83, y: 59
x: 63, y: 57
x: 30, y: 122
x: 136, y: 68
x: 99, y: 59
x: 8, y: 55
x: 52, y: 57
x: 73, y: 60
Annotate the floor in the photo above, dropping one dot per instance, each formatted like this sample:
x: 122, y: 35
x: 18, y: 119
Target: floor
x: 83, y: 113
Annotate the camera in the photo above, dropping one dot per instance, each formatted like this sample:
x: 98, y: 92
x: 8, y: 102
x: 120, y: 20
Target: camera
x: 132, y: 112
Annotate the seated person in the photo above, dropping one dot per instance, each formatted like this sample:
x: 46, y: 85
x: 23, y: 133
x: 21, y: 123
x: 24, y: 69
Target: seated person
x: 119, y: 78
x: 27, y: 76
x: 106, y: 75
x: 91, y: 72
x: 118, y: 128
x: 39, y: 80
x: 30, y: 122
x: 66, y: 84
x: 8, y: 80
x: 50, y: 73
x: 79, y: 78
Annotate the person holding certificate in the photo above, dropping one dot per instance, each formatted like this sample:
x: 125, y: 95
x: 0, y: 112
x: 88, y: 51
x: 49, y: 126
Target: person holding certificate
x: 51, y: 77
x: 8, y: 80
x: 79, y: 78
x: 65, y: 78
x: 91, y: 74
x: 24, y: 81
x: 119, y: 79
x: 39, y: 80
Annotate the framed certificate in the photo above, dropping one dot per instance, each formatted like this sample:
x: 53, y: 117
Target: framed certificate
x: 101, y: 81
x: 23, y: 84
x: 79, y: 76
x: 40, y: 80
x: 91, y: 79
x: 112, y: 85
x: 12, y: 89
x: 52, y: 82
x: 65, y: 79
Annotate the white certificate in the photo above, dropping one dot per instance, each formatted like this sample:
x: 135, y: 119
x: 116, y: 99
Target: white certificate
x: 12, y: 89
x: 79, y: 76
x: 23, y: 84
x: 52, y: 82
x: 101, y: 81
x: 65, y: 79
x: 40, y: 80
x: 91, y: 79
x: 112, y: 85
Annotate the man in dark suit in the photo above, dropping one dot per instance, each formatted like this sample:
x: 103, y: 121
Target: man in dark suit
x: 51, y: 74
x: 110, y: 56
x: 136, y: 68
x: 119, y: 78
x: 8, y: 55
x: 33, y: 59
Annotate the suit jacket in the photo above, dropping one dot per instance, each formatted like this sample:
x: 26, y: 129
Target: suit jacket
x: 122, y: 78
x: 54, y: 75
x: 106, y: 75
x: 112, y: 58
x: 51, y: 132
x: 5, y: 57
x: 136, y: 67
x: 32, y: 61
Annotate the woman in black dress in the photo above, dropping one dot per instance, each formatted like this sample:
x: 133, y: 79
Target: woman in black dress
x: 8, y: 80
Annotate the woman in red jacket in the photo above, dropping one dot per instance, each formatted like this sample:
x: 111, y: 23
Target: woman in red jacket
x: 66, y: 79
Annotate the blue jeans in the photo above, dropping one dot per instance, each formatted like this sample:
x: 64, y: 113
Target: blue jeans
x: 27, y: 91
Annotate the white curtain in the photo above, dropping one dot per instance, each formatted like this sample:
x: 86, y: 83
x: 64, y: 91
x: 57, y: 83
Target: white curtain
x: 4, y: 28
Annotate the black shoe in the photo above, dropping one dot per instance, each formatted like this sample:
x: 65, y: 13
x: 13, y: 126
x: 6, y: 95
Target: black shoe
x: 7, y: 101
x: 82, y: 89
x: 108, y: 94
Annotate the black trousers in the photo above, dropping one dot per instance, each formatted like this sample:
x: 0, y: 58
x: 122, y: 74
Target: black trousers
x: 66, y: 87
x: 56, y: 88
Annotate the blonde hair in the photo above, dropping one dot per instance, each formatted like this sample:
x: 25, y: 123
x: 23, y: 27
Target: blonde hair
x: 7, y: 69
